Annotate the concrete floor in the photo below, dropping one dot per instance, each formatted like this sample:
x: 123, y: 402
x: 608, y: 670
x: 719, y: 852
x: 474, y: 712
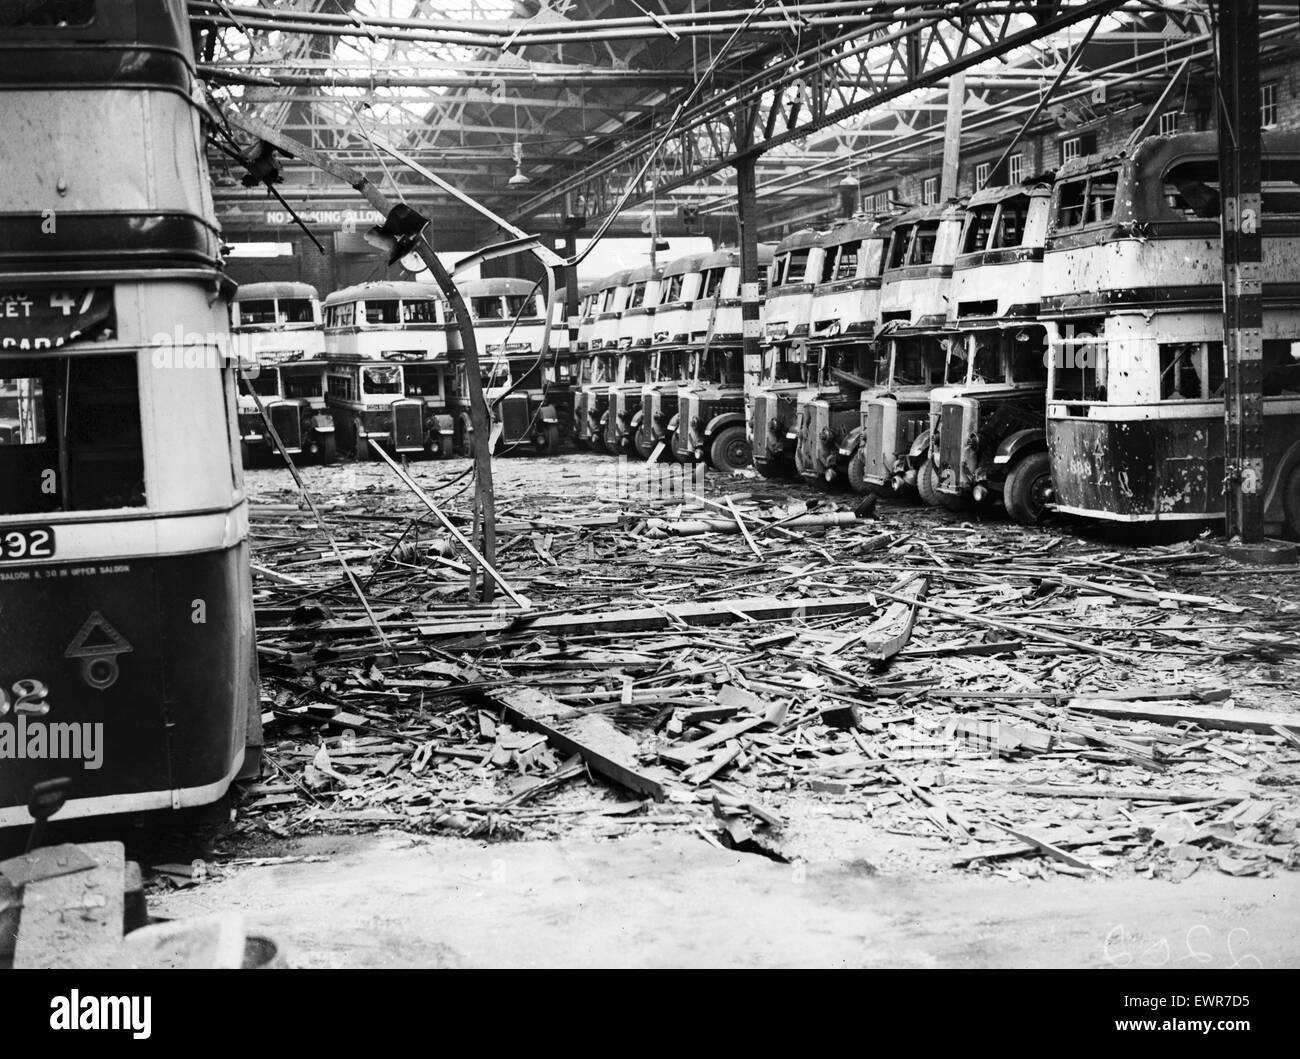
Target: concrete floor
x: 397, y: 900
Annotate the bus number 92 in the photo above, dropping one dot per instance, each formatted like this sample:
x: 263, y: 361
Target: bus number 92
x: 26, y: 542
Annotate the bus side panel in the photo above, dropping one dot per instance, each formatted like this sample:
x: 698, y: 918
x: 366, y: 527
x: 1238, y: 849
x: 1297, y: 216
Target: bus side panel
x: 1139, y: 470
x: 153, y: 654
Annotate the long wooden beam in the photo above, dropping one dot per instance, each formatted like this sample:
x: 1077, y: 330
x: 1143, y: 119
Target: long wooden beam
x: 538, y: 712
x: 722, y: 612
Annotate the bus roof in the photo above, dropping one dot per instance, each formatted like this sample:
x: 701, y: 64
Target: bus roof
x: 854, y: 228
x: 731, y: 256
x: 681, y: 265
x: 275, y: 289
x: 142, y: 26
x: 645, y: 272
x: 1041, y: 187
x: 1154, y: 154
x: 384, y: 290
x: 614, y: 279
x: 797, y: 240
x: 1141, y: 195
x: 927, y: 213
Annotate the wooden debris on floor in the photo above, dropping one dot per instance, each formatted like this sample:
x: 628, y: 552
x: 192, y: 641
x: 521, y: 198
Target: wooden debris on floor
x: 992, y: 698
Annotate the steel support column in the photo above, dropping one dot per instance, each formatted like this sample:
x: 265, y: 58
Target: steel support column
x: 952, y: 136
x: 750, y: 298
x: 1237, y: 42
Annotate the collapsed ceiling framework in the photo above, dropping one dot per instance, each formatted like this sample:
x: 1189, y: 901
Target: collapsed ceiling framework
x: 551, y: 111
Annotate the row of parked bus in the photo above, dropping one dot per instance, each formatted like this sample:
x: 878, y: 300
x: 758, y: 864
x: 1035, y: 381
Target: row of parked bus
x: 382, y: 362
x: 1055, y: 343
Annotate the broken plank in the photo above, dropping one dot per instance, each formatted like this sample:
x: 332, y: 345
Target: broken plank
x: 1032, y: 632
x: 890, y: 633
x: 537, y: 712
x: 1203, y: 716
x: 758, y: 608
x: 1135, y: 794
x: 1018, y: 849
x: 1055, y: 852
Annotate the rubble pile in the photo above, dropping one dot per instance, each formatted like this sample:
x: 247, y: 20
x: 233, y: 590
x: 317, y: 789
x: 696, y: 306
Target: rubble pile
x: 741, y: 664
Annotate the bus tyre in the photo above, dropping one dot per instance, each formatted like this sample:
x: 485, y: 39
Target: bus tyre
x: 925, y: 484
x: 767, y: 468
x: 245, y: 454
x: 730, y: 451
x: 1027, y: 489
x: 445, y: 446
x: 328, y: 451
x: 548, y: 440
x: 362, y: 450
x: 632, y: 447
x: 857, y: 473
x: 1291, y: 502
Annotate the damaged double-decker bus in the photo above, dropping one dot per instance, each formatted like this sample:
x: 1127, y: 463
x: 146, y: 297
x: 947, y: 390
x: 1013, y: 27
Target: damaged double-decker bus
x: 669, y: 371
x: 285, y: 366
x: 796, y: 267
x: 632, y: 337
x: 128, y: 673
x: 591, y: 401
x: 988, y: 435
x: 389, y: 379
x: 1133, y: 303
x: 710, y: 424
x: 842, y: 354
x: 591, y: 387
x: 517, y: 365
x: 893, y: 440
x: 644, y: 432
x: 602, y: 342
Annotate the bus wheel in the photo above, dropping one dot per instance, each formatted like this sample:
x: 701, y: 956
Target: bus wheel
x: 925, y: 484
x: 362, y: 450
x: 548, y: 440
x: 598, y: 442
x: 328, y: 450
x: 731, y: 451
x: 642, y: 449
x: 767, y: 468
x: 1028, y: 488
x: 857, y: 473
x: 445, y: 446
x: 1291, y: 502
x: 245, y: 454
x: 466, y: 432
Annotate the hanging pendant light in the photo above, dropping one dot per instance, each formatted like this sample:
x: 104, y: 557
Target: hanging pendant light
x: 519, y: 179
